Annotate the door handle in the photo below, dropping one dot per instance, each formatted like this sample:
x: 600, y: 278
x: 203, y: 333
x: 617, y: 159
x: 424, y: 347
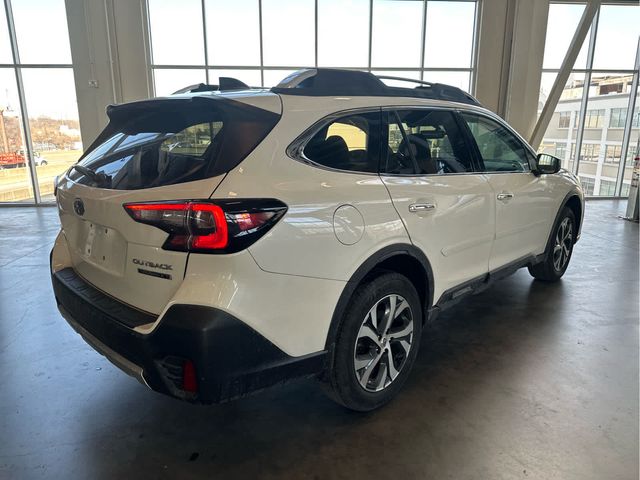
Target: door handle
x: 421, y: 207
x: 505, y: 196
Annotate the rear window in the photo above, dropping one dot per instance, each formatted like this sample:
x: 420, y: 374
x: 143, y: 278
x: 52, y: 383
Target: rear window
x: 168, y: 141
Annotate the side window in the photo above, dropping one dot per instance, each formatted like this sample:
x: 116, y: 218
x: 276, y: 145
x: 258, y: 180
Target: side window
x: 348, y: 143
x: 425, y: 142
x: 500, y: 149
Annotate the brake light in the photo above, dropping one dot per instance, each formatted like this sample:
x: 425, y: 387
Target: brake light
x: 223, y: 226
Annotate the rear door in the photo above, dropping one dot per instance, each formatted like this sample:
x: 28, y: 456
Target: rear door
x: 159, y: 150
x: 523, y: 200
x: 446, y: 206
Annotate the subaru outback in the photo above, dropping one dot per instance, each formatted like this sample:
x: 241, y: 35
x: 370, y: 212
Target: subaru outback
x: 225, y: 239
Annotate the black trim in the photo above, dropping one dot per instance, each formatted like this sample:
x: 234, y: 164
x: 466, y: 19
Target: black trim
x: 556, y: 220
x: 476, y: 285
x: 365, y: 269
x: 85, y: 293
x: 231, y: 359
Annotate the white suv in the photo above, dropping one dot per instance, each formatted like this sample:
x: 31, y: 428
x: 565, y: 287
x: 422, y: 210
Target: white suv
x: 225, y: 239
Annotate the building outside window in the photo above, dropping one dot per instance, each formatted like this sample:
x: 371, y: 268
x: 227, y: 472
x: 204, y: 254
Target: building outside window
x: 613, y: 153
x: 590, y: 152
x: 594, y: 119
x: 563, y: 119
x: 561, y: 149
x: 608, y: 188
x: 39, y: 128
x: 592, y: 110
x: 587, y: 184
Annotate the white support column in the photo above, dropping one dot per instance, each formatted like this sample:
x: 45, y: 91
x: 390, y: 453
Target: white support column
x: 510, y: 54
x: 109, y: 50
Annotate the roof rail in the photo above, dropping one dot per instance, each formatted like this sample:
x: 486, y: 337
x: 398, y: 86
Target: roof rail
x: 320, y: 82
x: 226, y: 84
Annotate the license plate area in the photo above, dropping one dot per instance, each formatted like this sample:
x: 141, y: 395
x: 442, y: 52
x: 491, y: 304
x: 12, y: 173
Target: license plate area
x: 102, y: 246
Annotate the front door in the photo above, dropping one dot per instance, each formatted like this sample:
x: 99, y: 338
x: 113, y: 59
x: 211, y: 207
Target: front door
x: 522, y: 198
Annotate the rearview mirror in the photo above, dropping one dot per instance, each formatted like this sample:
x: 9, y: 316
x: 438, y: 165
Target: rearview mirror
x: 546, y: 163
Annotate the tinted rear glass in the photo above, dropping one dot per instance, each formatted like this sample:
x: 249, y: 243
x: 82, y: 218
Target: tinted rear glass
x: 168, y: 141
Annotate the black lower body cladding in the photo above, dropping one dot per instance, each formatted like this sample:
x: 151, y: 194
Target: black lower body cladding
x: 230, y: 358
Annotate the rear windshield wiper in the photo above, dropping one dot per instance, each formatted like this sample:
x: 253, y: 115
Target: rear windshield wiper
x: 99, y: 178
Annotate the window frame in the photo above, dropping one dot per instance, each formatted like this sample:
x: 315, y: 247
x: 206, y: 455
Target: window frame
x: 459, y: 122
x: 502, y: 123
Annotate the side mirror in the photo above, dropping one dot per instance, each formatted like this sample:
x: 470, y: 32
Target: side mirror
x: 548, y: 164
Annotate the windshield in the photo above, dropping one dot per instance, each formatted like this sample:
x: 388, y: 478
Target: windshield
x: 163, y: 142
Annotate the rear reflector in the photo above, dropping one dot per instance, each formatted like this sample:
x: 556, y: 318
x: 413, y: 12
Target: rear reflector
x: 223, y: 226
x: 189, y: 380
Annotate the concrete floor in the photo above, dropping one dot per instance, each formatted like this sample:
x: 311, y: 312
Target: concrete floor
x: 526, y: 380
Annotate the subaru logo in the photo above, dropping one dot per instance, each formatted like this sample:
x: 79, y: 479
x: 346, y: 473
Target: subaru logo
x: 78, y: 206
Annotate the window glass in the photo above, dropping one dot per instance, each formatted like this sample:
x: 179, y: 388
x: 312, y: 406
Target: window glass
x: 587, y: 184
x: 617, y: 37
x: 564, y: 118
x: 563, y: 126
x: 339, y: 20
x: 54, y: 124
x: 41, y: 31
x: 274, y: 77
x: 15, y: 182
x: 233, y: 32
x: 250, y: 77
x: 288, y: 32
x: 594, y: 119
x: 425, y: 142
x: 608, y: 97
x: 170, y: 144
x: 501, y: 150
x: 397, y: 34
x: 176, y: 32
x: 5, y: 46
x: 608, y: 187
x: 441, y: 48
x: 168, y: 81
x: 349, y: 143
x: 590, y: 152
x: 413, y: 74
x: 613, y: 153
x: 457, y: 79
x: 561, y: 25
x: 633, y: 152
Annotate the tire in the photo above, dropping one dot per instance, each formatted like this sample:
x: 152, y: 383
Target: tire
x: 559, y: 250
x: 360, y: 339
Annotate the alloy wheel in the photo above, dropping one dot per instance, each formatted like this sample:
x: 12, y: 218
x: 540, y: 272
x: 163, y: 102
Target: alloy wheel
x: 563, y: 244
x: 383, y: 343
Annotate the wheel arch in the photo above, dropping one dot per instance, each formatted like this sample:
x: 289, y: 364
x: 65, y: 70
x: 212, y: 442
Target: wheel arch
x: 404, y: 259
x: 573, y: 202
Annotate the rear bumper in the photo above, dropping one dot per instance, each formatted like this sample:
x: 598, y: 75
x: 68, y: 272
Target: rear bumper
x: 231, y: 359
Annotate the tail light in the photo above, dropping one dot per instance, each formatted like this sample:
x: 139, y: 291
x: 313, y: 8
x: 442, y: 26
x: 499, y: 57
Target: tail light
x: 221, y: 226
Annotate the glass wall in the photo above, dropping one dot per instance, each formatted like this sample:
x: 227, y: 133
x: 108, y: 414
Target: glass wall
x: 591, y: 116
x: 39, y: 128
x: 261, y: 41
